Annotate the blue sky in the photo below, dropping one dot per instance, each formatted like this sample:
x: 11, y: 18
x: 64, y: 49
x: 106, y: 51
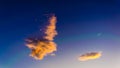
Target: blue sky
x: 78, y: 26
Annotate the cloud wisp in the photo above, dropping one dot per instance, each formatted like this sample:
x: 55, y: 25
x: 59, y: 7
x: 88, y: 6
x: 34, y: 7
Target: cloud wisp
x: 90, y: 56
x: 45, y: 45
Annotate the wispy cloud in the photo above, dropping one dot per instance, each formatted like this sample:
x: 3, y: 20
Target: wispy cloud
x: 44, y: 46
x: 90, y: 56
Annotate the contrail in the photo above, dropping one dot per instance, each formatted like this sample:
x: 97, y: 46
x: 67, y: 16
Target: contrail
x: 90, y: 56
x: 44, y: 46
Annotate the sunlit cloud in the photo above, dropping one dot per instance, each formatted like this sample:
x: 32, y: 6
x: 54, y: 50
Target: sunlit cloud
x: 90, y: 56
x: 45, y: 45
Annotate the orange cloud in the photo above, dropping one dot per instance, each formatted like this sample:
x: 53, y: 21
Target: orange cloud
x: 90, y: 56
x: 45, y: 46
x: 50, y: 29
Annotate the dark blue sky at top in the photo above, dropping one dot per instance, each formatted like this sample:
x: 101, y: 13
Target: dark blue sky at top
x: 21, y: 18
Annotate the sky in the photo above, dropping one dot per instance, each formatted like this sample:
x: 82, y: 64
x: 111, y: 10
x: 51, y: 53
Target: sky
x: 82, y: 25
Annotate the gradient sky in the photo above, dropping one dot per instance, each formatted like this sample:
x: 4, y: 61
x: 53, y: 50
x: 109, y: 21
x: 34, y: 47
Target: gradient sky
x: 83, y: 26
